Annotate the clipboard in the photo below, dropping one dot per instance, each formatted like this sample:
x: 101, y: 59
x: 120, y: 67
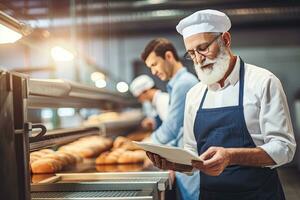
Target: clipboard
x: 172, y: 154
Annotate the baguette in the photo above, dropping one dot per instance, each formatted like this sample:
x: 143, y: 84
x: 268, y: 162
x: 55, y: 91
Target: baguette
x: 130, y: 146
x: 130, y: 168
x: 101, y: 159
x: 110, y: 157
x: 132, y: 157
x: 119, y: 141
x: 45, y: 165
x: 107, y: 168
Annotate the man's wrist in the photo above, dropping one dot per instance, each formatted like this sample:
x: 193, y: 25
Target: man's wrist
x: 231, y: 156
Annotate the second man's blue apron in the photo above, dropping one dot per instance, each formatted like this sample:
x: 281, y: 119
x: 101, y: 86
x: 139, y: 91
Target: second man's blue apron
x: 226, y: 127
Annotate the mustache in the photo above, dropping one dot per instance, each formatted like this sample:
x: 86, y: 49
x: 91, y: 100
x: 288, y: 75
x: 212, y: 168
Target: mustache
x: 204, y: 65
x: 207, y: 62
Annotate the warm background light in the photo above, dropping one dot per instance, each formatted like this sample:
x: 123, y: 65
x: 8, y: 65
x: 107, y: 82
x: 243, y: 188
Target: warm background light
x: 8, y: 35
x: 101, y: 83
x: 61, y: 54
x: 97, y: 76
x: 122, y: 87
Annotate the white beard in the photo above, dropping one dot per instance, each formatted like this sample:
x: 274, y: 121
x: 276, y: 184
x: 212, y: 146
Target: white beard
x: 211, y: 75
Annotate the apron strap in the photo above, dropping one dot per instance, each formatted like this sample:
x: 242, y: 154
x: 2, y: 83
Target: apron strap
x: 241, y: 88
x: 203, y: 98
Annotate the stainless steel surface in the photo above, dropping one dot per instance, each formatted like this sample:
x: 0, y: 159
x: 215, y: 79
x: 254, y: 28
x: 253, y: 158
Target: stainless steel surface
x: 27, y: 94
x: 93, y: 185
x: 160, y: 178
x: 157, y: 182
x: 61, y: 93
x: 59, y: 137
x: 120, y: 127
x: 115, y: 175
x: 14, y: 24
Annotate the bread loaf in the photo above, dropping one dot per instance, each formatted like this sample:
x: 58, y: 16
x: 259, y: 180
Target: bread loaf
x: 130, y: 146
x: 107, y: 168
x: 113, y: 157
x: 101, y: 159
x: 49, y: 161
x: 109, y: 157
x: 103, y: 117
x: 45, y: 165
x: 121, y: 156
x: 130, y: 168
x: 138, y: 135
x: 119, y: 141
x: 88, y: 147
x: 69, y: 158
x: 132, y: 157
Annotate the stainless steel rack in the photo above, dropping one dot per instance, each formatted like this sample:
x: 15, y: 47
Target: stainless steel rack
x: 62, y: 136
x: 57, y: 93
x: 18, y: 93
x: 125, y: 186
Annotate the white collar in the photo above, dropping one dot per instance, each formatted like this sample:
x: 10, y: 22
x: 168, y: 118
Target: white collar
x: 232, y: 79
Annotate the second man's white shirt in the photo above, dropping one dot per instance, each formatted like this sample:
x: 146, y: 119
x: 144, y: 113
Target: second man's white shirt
x: 160, y: 103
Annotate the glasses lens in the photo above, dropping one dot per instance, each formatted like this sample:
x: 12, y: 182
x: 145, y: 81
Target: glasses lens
x: 203, y: 49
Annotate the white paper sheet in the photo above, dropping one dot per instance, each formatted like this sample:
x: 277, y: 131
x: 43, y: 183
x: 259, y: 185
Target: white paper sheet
x: 172, y: 154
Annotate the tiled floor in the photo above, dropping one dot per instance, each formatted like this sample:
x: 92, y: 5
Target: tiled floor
x: 290, y: 179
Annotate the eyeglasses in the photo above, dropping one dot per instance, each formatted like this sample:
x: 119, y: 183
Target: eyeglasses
x: 202, y: 49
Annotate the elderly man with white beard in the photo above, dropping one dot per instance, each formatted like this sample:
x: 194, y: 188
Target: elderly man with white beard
x: 236, y: 119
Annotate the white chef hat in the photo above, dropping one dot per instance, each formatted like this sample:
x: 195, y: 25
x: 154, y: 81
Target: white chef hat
x: 204, y: 21
x: 140, y: 84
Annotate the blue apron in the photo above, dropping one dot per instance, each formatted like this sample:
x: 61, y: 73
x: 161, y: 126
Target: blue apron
x: 226, y: 127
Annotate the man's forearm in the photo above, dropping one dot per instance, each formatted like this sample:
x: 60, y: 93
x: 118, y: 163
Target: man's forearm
x: 250, y: 157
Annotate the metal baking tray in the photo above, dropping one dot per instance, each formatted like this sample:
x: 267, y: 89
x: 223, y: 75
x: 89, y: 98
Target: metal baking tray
x: 128, y: 185
x: 160, y: 177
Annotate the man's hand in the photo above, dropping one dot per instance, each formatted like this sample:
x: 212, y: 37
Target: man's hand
x: 148, y: 123
x: 215, y: 160
x: 162, y: 163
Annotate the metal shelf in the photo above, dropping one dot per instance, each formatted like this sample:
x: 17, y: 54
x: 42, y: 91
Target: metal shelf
x: 63, y: 136
x: 131, y: 183
x: 57, y: 93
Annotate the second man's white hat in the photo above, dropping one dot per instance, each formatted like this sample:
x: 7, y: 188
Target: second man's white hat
x: 140, y: 84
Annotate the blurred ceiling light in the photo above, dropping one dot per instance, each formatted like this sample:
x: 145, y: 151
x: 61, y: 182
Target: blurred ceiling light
x: 8, y: 35
x: 61, y: 54
x: 11, y: 30
x: 46, y: 113
x: 66, y: 112
x: 97, y: 76
x: 101, y: 83
x: 122, y: 87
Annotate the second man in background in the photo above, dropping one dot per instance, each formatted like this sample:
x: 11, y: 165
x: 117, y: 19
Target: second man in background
x: 161, y: 57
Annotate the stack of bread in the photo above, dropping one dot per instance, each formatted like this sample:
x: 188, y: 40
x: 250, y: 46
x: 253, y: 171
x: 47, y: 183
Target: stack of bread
x: 49, y: 161
x: 138, y: 135
x: 88, y: 147
x: 103, y: 117
x: 123, y: 151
